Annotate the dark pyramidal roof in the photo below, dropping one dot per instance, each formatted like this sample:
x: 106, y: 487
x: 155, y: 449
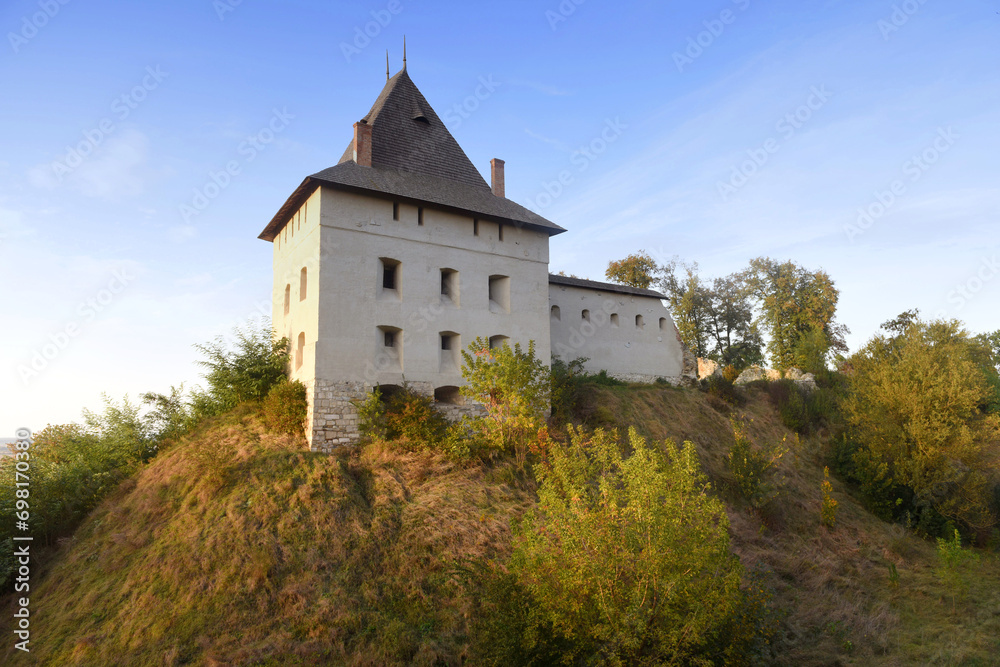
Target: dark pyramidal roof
x: 414, y: 158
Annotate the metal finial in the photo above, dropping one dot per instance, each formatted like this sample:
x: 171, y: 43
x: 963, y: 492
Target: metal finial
x: 387, y: 65
x: 404, y: 51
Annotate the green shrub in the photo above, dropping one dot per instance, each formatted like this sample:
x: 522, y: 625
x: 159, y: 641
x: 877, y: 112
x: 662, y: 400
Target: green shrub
x: 627, y: 557
x: 720, y: 388
x: 753, y: 467
x: 828, y: 510
x: 515, y: 387
x: 730, y: 373
x: 412, y: 422
x: 245, y: 373
x: 408, y: 420
x: 284, y: 409
x: 72, y: 467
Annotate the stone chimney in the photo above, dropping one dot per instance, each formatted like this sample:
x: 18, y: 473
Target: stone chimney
x: 496, y: 176
x: 363, y: 144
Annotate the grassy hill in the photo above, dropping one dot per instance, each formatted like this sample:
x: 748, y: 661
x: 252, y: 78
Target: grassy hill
x: 236, y: 546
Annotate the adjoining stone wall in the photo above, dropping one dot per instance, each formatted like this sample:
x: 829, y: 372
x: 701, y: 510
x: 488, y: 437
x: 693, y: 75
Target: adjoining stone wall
x: 641, y: 378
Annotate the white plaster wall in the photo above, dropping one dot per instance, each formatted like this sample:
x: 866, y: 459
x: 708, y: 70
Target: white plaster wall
x: 297, y: 247
x: 357, y: 230
x: 624, y: 351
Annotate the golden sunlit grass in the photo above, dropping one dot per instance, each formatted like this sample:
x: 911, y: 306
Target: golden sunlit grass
x: 237, y: 547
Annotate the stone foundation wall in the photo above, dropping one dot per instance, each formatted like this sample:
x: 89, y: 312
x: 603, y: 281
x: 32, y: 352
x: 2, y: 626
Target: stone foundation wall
x: 332, y: 419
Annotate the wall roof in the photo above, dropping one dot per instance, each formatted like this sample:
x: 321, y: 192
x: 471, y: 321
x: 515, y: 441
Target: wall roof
x: 555, y: 279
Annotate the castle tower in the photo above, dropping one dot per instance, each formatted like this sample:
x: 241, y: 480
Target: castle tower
x: 390, y: 263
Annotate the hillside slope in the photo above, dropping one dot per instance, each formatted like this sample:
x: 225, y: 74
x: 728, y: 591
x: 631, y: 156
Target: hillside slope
x: 237, y: 547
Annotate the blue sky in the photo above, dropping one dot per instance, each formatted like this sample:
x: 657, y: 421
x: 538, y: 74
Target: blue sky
x: 716, y: 131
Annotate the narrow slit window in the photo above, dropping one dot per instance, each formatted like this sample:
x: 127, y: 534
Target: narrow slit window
x: 395, y: 210
x: 500, y: 232
x: 475, y: 226
x: 614, y: 319
x: 300, y: 349
x: 302, y: 284
x: 420, y: 216
x: 288, y: 298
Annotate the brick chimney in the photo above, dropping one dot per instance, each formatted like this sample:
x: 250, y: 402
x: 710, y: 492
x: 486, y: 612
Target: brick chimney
x: 496, y: 176
x: 363, y: 144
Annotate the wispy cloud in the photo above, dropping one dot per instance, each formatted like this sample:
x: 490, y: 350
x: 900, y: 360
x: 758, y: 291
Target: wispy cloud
x: 548, y: 140
x: 115, y: 170
x: 542, y: 88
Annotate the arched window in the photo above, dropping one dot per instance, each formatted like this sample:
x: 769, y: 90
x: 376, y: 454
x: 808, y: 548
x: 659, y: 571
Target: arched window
x: 663, y: 324
x: 639, y: 324
x: 302, y: 284
x: 614, y: 319
x: 585, y: 315
x: 288, y: 297
x: 555, y: 313
x: 300, y: 349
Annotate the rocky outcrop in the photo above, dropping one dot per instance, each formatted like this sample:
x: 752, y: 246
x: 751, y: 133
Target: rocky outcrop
x: 707, y: 368
x: 689, y: 366
x: 805, y: 380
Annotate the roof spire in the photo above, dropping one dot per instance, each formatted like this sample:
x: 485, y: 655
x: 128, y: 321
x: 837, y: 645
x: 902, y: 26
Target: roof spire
x: 404, y: 52
x: 387, y: 65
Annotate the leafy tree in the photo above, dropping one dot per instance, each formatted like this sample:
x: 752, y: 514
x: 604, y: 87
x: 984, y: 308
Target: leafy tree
x: 736, y: 339
x: 170, y: 415
x: 628, y: 556
x: 245, y: 373
x: 515, y: 388
x: 798, y: 308
x: 690, y: 300
x: 916, y: 408
x: 636, y: 270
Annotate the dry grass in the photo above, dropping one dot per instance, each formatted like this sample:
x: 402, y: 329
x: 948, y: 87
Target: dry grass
x: 236, y: 547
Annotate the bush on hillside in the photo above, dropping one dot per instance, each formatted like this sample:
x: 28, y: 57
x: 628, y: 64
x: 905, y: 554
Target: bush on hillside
x: 754, y: 467
x: 403, y: 417
x: 916, y: 411
x: 626, y: 561
x: 71, y: 467
x: 284, y: 409
x: 515, y: 388
x: 247, y: 372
